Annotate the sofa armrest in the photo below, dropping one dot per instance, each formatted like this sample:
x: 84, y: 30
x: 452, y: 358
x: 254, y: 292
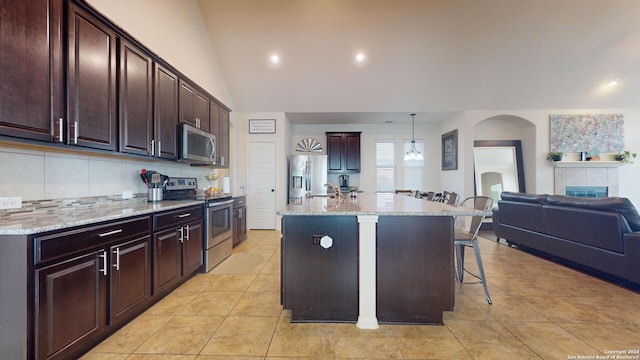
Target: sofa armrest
x: 497, y: 229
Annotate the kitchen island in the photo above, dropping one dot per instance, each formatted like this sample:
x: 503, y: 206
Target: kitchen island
x: 375, y: 258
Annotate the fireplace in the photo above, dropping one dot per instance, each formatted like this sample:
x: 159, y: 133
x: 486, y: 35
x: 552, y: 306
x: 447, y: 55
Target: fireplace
x: 586, y: 178
x: 587, y: 191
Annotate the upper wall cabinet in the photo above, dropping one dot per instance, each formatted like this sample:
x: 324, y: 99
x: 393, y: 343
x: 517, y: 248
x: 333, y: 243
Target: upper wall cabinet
x: 31, y: 90
x: 343, y: 152
x: 136, y: 113
x: 194, y: 106
x: 165, y: 112
x: 220, y: 128
x: 91, y: 82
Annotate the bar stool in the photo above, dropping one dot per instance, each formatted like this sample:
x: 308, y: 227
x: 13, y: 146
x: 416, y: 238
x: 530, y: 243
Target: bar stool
x: 469, y: 238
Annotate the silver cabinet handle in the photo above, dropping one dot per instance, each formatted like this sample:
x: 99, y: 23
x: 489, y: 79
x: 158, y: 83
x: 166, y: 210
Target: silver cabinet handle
x: 110, y: 233
x: 184, y: 215
x: 75, y: 132
x: 117, y: 264
x: 60, y: 136
x: 153, y: 147
x: 104, y: 257
x: 181, y: 234
x: 187, y: 232
x: 159, y: 153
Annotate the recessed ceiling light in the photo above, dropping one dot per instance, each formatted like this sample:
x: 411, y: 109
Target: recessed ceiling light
x: 274, y: 59
x: 613, y: 82
x: 360, y: 57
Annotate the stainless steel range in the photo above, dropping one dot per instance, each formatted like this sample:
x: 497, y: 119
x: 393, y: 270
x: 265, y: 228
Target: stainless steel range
x: 218, y: 221
x: 218, y: 229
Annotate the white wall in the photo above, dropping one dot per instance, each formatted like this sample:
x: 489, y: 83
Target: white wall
x: 175, y: 31
x: 536, y: 164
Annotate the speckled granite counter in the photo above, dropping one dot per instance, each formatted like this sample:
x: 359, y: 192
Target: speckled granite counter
x: 61, y: 218
x: 383, y: 204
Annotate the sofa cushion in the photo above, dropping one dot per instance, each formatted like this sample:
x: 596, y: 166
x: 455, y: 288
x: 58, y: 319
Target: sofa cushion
x: 620, y: 205
x: 522, y: 197
x: 600, y: 229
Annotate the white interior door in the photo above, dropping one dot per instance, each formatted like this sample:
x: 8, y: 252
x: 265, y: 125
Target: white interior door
x: 262, y: 185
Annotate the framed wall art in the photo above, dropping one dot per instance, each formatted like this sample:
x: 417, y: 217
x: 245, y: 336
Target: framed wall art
x: 450, y: 150
x: 262, y: 126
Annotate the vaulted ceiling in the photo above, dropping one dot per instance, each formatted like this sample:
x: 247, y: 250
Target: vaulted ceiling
x: 426, y: 56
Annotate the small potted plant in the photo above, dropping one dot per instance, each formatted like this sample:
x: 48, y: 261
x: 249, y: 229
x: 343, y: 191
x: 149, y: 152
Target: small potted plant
x: 555, y: 155
x: 625, y: 156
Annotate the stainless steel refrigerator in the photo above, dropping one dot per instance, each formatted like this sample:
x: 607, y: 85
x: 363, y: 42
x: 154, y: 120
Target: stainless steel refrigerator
x: 307, y: 176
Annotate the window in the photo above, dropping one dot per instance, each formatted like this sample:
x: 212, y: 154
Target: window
x: 413, y: 169
x: 385, y: 166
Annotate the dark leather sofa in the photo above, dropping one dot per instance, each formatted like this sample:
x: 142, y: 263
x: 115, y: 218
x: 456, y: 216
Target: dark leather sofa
x: 597, y: 235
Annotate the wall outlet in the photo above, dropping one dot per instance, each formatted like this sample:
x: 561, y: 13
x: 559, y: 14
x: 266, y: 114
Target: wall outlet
x: 127, y: 194
x: 11, y: 202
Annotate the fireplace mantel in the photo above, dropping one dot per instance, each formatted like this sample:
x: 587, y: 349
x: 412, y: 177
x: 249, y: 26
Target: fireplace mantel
x: 588, y: 164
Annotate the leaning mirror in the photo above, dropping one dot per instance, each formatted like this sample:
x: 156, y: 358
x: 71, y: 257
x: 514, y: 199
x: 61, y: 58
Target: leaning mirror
x: 498, y: 168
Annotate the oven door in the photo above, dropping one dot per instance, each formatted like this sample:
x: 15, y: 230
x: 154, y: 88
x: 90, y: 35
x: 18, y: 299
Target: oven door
x: 219, y: 222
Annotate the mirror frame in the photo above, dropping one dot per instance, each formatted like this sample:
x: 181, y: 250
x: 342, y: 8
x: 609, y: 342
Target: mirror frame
x: 517, y: 145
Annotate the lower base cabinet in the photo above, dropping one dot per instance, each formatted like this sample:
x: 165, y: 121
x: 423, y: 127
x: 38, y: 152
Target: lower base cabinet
x: 320, y: 284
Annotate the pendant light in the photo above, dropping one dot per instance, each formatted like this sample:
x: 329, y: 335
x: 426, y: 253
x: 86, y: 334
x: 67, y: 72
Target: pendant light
x: 413, y: 154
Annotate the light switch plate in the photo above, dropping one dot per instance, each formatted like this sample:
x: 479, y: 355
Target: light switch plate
x: 127, y: 194
x: 14, y: 202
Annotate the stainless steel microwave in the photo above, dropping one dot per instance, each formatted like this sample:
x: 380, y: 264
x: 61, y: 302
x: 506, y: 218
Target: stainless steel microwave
x: 197, y: 147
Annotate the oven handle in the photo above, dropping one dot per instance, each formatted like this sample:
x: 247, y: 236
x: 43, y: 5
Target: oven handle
x: 215, y: 204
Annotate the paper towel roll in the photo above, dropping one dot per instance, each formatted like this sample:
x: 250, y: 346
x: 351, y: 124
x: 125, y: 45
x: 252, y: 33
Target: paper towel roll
x: 226, y: 187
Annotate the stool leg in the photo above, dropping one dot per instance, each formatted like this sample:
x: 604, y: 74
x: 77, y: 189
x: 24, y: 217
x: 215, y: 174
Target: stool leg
x: 459, y: 249
x: 476, y: 250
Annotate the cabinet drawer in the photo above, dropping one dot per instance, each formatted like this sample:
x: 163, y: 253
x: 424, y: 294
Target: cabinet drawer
x: 176, y: 217
x: 69, y: 242
x: 239, y: 202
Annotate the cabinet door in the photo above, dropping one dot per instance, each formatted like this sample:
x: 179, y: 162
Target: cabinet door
x: 352, y: 152
x: 192, y: 247
x: 31, y: 93
x: 136, y: 122
x: 165, y: 112
x: 320, y: 284
x: 130, y: 277
x: 91, y: 81
x: 70, y: 305
x: 223, y: 154
x: 201, y: 111
x: 334, y: 152
x: 187, y: 111
x: 168, y: 260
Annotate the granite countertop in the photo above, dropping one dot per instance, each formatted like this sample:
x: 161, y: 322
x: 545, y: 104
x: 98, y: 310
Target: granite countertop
x: 60, y: 218
x: 384, y: 204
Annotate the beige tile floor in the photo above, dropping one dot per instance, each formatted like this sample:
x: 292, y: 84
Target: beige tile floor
x: 541, y: 310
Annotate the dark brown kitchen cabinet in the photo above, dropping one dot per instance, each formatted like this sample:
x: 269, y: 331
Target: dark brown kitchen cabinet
x: 220, y: 128
x: 239, y: 219
x: 92, y: 120
x: 165, y: 112
x: 71, y: 305
x: 320, y: 284
x: 130, y: 278
x: 178, y: 240
x: 343, y: 152
x: 75, y: 272
x: 135, y: 100
x: 194, y: 106
x: 31, y: 90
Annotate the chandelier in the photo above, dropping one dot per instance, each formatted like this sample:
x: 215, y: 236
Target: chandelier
x: 413, y: 154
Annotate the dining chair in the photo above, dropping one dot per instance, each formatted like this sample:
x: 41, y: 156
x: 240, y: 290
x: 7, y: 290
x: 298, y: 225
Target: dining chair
x: 464, y: 238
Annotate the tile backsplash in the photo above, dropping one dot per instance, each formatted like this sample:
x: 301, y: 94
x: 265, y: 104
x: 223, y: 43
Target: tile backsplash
x: 36, y: 174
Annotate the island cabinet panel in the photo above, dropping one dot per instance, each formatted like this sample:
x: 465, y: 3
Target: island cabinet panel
x: 415, y: 272
x: 91, y: 82
x: 31, y: 94
x: 320, y: 284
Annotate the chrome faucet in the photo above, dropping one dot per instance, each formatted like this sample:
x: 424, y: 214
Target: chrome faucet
x: 334, y: 187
